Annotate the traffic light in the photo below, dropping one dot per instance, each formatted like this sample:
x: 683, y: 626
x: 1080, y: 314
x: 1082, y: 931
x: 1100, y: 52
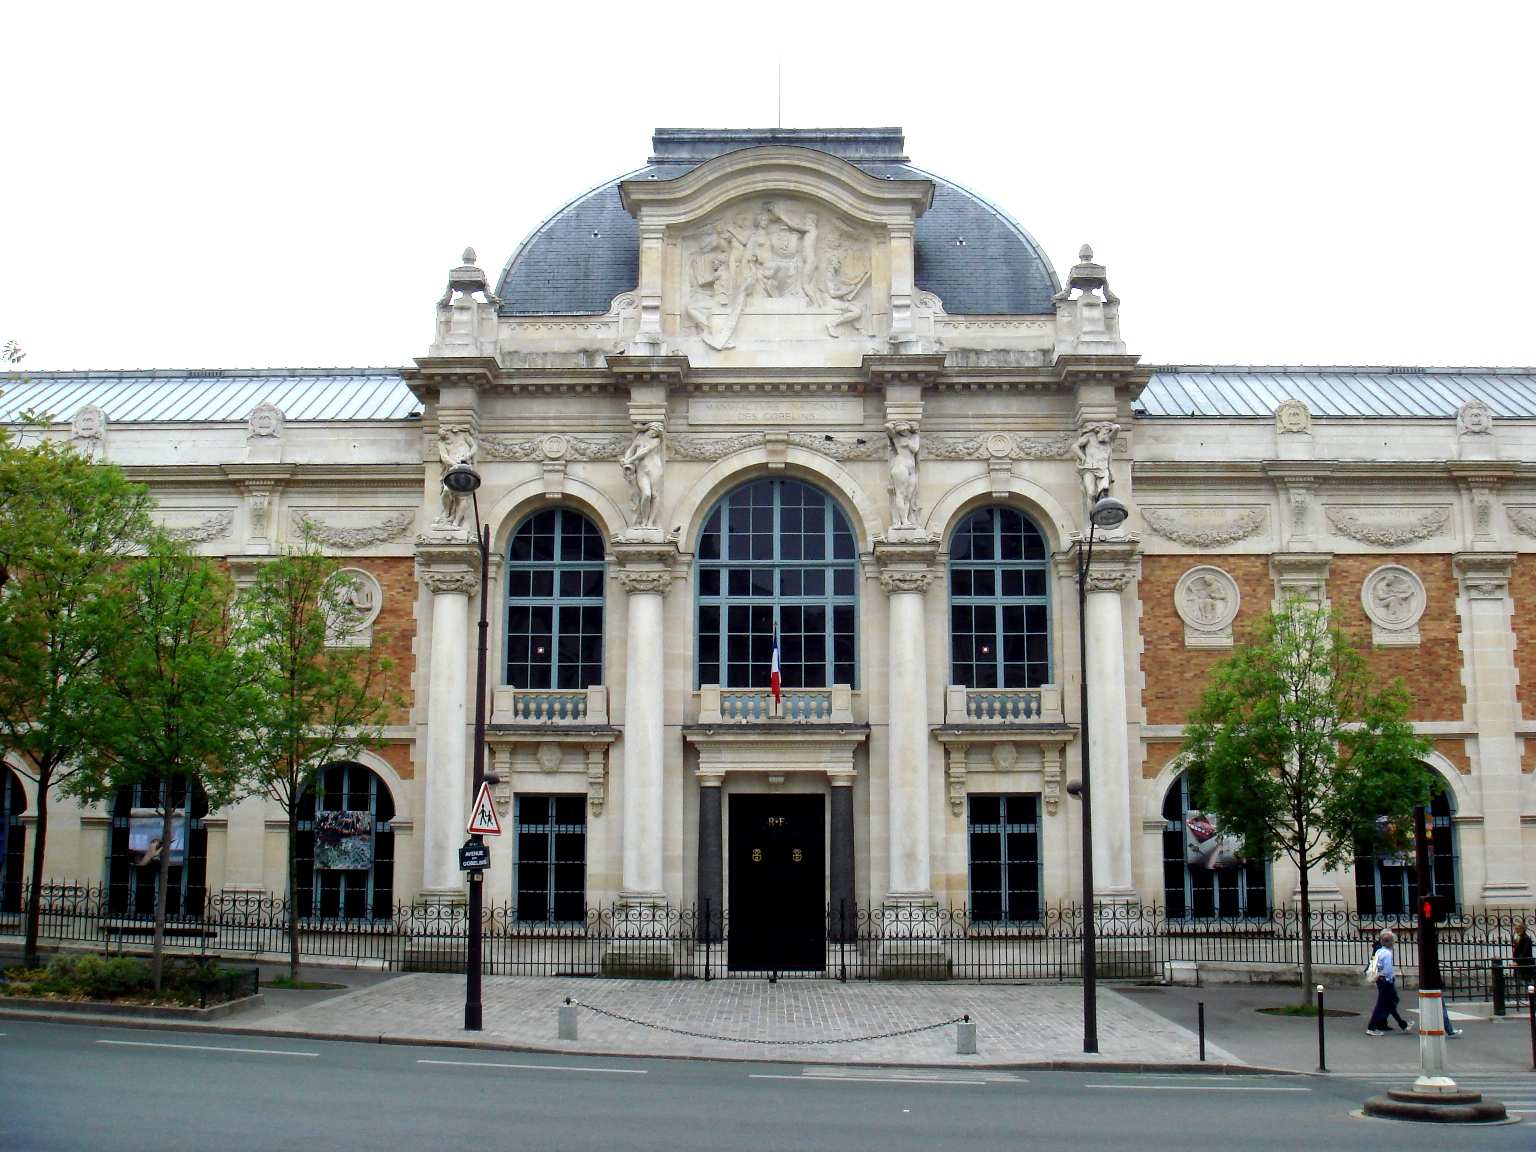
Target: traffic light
x: 1434, y: 909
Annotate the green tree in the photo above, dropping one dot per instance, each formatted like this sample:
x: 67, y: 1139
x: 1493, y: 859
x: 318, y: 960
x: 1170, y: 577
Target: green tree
x: 64, y: 523
x: 320, y: 691
x: 1298, y: 749
x: 173, y: 700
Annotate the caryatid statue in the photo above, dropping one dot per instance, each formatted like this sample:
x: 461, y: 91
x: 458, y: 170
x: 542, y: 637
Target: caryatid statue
x: 905, y: 446
x: 644, y: 463
x: 455, y: 445
x: 1093, y: 449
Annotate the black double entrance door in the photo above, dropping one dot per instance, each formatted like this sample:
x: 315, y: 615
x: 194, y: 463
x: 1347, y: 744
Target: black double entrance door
x: 778, y: 884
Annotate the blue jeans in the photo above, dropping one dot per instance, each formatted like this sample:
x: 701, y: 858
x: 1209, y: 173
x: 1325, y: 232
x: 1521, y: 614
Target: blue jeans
x: 1386, y: 1005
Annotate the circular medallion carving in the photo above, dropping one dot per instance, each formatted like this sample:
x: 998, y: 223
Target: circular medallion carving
x: 999, y: 444
x: 1393, y: 597
x: 1207, y: 599
x: 1293, y: 416
x: 554, y: 446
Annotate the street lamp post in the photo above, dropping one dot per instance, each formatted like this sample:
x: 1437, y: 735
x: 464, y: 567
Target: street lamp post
x: 461, y: 478
x: 1107, y: 512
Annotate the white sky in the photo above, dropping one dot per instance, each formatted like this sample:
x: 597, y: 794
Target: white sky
x: 222, y: 185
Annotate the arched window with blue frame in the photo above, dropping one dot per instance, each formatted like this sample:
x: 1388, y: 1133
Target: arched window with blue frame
x: 777, y: 556
x: 1386, y: 868
x: 135, y: 852
x: 999, y: 609
x: 1200, y: 882
x: 555, y: 602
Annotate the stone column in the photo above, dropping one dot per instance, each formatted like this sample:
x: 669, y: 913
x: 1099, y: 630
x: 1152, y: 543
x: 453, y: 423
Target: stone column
x: 711, y: 853
x: 906, y: 558
x: 452, y: 575
x: 645, y: 576
x: 1108, y: 742
x: 1493, y: 706
x: 844, y: 900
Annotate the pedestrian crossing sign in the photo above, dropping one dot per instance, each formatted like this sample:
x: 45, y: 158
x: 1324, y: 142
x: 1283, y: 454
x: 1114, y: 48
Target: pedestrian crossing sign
x: 482, y: 817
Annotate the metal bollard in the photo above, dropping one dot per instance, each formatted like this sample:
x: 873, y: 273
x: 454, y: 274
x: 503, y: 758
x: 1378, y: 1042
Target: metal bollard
x: 1530, y: 1000
x: 1322, y: 1050
x: 965, y: 1037
x: 1500, y: 996
x: 568, y: 1019
x: 1202, y: 1031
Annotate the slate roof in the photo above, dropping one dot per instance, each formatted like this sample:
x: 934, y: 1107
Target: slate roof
x: 1222, y: 390
x: 160, y: 395
x: 968, y: 251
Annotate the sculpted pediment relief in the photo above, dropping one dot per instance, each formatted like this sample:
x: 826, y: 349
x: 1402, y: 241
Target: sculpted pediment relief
x: 774, y: 246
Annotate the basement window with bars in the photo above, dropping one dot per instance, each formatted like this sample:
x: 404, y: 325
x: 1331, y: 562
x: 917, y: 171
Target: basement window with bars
x: 1004, y: 836
x: 550, y: 868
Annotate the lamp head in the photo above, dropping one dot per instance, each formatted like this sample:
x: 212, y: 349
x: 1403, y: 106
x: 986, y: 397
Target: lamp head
x: 1075, y: 789
x: 1107, y: 512
x: 461, y: 478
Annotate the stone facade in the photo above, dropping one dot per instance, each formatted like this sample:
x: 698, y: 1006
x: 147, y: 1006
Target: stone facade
x: 777, y: 325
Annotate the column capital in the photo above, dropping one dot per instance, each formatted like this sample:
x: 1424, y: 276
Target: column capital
x: 645, y: 561
x: 906, y: 558
x: 1302, y: 574
x: 1484, y: 575
x: 449, y: 571
x: 643, y: 583
x: 1116, y: 563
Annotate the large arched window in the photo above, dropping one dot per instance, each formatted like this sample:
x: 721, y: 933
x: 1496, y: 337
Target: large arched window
x: 1386, y: 874
x: 345, y: 852
x: 1199, y: 880
x: 13, y: 839
x: 777, y: 556
x: 135, y: 850
x: 999, y: 631
x: 555, y: 602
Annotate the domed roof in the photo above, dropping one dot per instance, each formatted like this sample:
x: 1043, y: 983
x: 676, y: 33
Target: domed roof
x: 968, y: 252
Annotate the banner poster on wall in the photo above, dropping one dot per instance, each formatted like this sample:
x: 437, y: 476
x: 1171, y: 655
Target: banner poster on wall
x: 145, y: 828
x: 1205, y: 846
x: 1394, y: 845
x: 344, y: 840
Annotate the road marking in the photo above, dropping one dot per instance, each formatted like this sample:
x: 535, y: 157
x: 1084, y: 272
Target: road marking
x: 539, y: 1067
x: 206, y: 1048
x: 834, y: 1072
x: 860, y: 1079
x: 1195, y: 1088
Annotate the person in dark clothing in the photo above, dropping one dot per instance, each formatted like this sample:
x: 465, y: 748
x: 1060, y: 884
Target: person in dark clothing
x: 1525, y: 964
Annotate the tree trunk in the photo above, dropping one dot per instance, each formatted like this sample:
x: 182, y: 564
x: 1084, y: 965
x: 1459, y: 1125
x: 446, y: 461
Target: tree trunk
x: 35, y: 886
x: 293, y: 890
x: 162, y: 881
x: 1306, y: 935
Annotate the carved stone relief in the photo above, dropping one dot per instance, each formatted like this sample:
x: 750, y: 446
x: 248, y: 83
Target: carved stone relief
x: 265, y: 420
x: 780, y: 256
x: 1523, y: 520
x: 1207, y: 600
x: 1012, y: 445
x: 905, y: 446
x: 554, y: 446
x: 1294, y: 417
x: 456, y: 444
x: 88, y: 432
x: 1092, y: 449
x: 1474, y: 418
x: 1386, y: 527
x: 358, y: 598
x: 212, y: 527
x: 347, y: 538
x: 1198, y: 533
x: 1394, y: 599
x: 644, y: 465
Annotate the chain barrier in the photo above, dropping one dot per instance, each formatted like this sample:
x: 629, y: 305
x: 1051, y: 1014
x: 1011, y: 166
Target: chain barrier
x: 749, y: 1040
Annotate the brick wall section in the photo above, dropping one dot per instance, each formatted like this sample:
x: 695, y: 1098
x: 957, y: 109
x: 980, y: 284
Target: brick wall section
x: 399, y: 757
x: 1522, y: 590
x: 1174, y: 676
x: 1159, y: 752
x: 1433, y: 670
x: 1456, y: 752
x: 397, y: 623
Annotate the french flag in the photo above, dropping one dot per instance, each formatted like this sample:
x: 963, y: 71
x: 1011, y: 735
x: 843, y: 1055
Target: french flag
x: 775, y: 683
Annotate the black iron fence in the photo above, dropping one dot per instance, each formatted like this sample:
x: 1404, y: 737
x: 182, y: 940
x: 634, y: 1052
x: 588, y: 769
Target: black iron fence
x: 1135, y: 942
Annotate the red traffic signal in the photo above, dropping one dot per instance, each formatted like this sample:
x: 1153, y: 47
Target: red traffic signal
x: 1434, y: 909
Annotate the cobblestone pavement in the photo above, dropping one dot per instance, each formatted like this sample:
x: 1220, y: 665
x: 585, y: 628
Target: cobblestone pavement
x: 1015, y: 1023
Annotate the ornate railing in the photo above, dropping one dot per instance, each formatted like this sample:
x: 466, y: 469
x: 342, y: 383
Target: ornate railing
x: 1002, y: 705
x: 832, y: 705
x: 550, y: 706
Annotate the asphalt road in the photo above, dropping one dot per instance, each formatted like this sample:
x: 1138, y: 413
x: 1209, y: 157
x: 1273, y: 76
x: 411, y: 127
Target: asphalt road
x: 122, y: 1089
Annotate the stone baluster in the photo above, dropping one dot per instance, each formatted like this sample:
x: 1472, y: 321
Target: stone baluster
x: 452, y: 575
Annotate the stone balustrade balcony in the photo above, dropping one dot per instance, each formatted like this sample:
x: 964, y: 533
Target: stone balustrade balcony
x: 552, y: 706
x: 832, y: 705
x: 969, y: 706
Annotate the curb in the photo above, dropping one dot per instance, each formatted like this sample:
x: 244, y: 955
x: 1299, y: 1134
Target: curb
x: 1170, y: 1068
